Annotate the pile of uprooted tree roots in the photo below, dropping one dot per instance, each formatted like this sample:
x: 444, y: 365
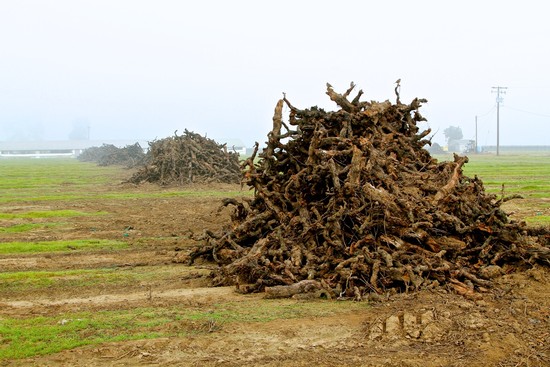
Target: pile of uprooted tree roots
x: 109, y: 154
x: 188, y: 158
x: 349, y: 203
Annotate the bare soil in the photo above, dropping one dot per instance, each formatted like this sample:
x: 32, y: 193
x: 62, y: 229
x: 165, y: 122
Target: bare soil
x: 508, y: 326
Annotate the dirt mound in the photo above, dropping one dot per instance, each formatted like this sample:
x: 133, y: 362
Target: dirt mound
x: 349, y: 202
x: 188, y: 158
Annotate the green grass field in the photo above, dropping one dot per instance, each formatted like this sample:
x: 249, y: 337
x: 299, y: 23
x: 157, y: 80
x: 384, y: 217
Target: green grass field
x: 527, y: 175
x: 24, y: 181
x: 57, y: 246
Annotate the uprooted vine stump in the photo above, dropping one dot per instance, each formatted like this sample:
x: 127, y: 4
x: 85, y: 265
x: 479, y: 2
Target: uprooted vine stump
x: 351, y: 200
x: 188, y: 158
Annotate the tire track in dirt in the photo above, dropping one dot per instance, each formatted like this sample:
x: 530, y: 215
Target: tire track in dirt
x: 194, y: 294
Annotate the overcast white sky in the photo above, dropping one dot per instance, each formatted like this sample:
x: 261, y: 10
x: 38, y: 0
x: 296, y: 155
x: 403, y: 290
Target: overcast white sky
x: 143, y: 69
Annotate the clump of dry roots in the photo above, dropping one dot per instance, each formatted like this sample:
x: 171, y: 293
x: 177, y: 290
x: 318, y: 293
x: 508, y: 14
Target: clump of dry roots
x: 108, y: 155
x: 188, y: 158
x: 349, y: 203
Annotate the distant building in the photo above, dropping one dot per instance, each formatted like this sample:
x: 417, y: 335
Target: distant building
x: 461, y: 146
x: 234, y: 145
x: 62, y: 148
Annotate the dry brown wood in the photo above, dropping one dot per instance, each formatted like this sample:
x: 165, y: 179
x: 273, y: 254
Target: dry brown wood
x: 352, y: 200
x: 287, y: 291
x: 188, y: 158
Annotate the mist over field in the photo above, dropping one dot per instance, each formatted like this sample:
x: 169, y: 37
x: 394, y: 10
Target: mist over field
x: 140, y: 70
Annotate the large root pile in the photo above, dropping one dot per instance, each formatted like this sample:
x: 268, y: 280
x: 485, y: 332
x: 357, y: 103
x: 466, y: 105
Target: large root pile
x: 188, y: 158
x: 351, y: 203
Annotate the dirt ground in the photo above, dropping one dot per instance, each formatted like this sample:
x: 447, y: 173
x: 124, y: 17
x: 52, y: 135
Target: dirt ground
x: 508, y: 326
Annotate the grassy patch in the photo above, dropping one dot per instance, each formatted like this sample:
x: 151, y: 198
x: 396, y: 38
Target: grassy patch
x: 538, y: 220
x: 46, y: 173
x: 35, y: 196
x: 57, y: 246
x: 27, y: 337
x: 27, y: 227
x: 48, y: 214
x: 527, y: 175
x: 26, y: 180
x: 71, y: 280
x: 518, y: 174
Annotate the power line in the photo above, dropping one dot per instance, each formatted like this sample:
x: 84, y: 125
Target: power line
x: 488, y: 112
x: 529, y: 112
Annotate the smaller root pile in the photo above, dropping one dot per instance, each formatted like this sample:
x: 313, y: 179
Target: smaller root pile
x: 109, y: 155
x: 351, y: 203
x: 188, y: 158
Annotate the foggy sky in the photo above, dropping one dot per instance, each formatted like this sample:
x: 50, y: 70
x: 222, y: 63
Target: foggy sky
x: 143, y: 69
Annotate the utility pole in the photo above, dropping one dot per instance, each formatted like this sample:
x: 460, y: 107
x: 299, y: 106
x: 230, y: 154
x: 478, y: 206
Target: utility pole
x: 476, y: 137
x: 499, y: 90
